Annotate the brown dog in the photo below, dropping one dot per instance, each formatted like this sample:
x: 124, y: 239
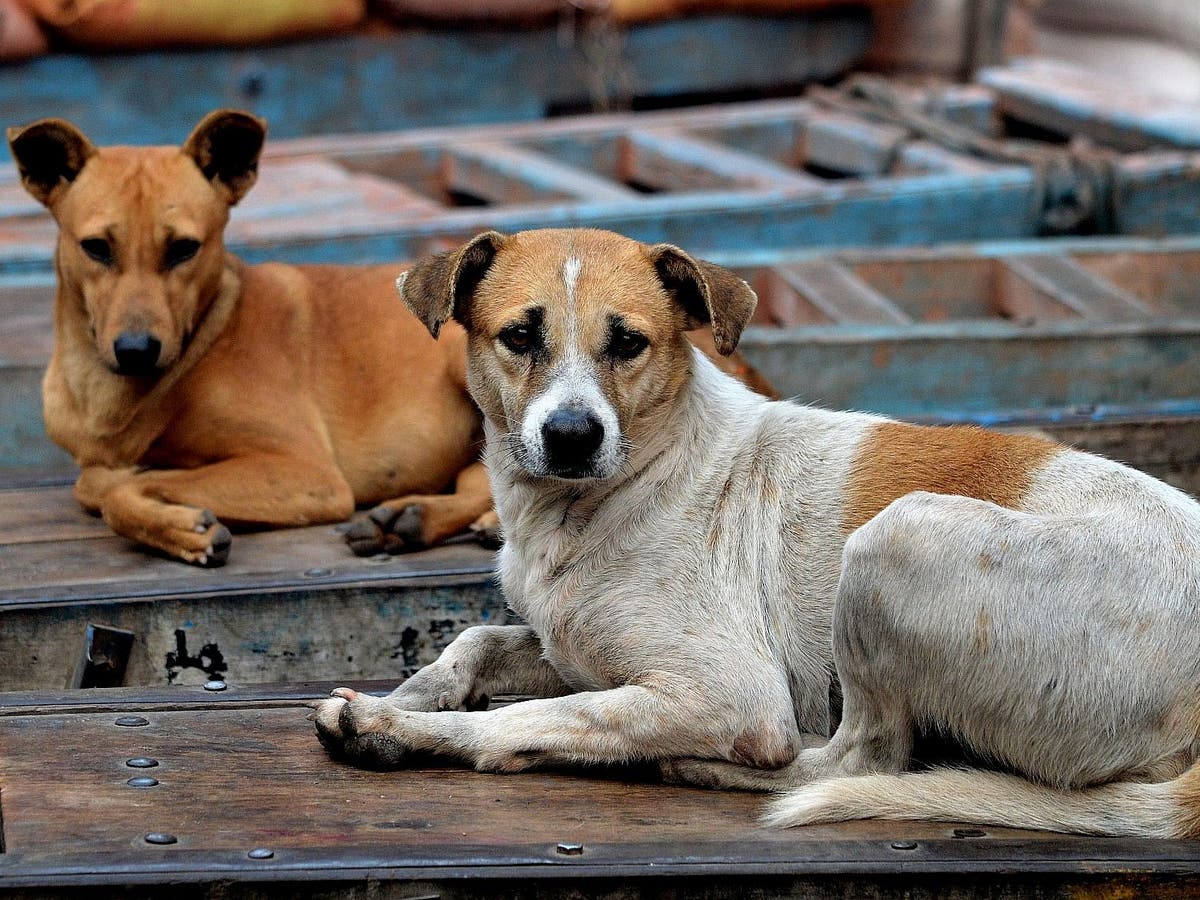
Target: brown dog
x: 197, y: 392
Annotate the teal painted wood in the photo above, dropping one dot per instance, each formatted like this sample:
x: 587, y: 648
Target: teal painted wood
x: 1070, y: 101
x: 961, y: 332
x: 773, y: 176
x: 418, y: 77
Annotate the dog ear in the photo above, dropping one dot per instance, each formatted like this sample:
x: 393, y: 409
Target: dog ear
x: 708, y: 294
x: 226, y: 145
x: 49, y: 154
x: 440, y: 287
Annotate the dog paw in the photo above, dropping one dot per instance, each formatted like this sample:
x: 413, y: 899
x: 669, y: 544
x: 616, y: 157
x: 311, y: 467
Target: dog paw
x: 486, y: 530
x: 435, y: 689
x: 207, y: 543
x: 357, y: 728
x: 387, y: 530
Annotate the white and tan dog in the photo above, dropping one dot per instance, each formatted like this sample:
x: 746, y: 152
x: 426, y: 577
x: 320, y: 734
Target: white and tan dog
x: 693, y: 561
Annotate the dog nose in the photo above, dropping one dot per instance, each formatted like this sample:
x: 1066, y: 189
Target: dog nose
x: 136, y: 352
x: 571, y: 435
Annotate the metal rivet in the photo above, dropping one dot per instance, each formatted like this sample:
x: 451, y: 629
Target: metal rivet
x: 317, y: 572
x: 215, y: 684
x: 569, y: 849
x: 904, y: 845
x: 161, y: 837
x: 142, y: 781
x: 261, y: 853
x: 141, y: 762
x: 132, y: 721
x: 969, y: 832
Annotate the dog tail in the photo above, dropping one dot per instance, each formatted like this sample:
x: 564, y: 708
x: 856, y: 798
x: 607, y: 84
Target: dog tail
x: 1168, y: 809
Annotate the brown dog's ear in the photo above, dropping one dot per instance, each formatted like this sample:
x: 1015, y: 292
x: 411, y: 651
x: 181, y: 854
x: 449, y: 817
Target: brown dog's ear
x: 49, y: 155
x: 226, y: 145
x: 440, y: 287
x: 707, y: 293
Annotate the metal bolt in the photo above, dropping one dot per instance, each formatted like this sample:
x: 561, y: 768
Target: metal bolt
x: 141, y: 762
x: 318, y: 572
x: 132, y: 721
x: 142, y: 781
x: 215, y: 684
x: 261, y: 853
x: 904, y: 845
x: 969, y: 832
x: 567, y: 849
x: 161, y: 837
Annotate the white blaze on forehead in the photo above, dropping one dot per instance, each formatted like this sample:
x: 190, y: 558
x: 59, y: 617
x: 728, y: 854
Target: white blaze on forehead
x: 570, y: 276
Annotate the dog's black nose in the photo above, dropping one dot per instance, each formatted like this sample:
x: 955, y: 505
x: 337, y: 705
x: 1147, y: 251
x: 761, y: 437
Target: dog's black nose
x: 136, y: 352
x: 570, y: 437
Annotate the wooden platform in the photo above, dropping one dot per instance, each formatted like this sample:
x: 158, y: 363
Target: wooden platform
x: 245, y: 802
x: 296, y: 604
x: 290, y: 604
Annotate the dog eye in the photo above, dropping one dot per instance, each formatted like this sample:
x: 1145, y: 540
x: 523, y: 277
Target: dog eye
x: 180, y: 251
x: 517, y: 338
x: 98, y: 249
x: 626, y: 344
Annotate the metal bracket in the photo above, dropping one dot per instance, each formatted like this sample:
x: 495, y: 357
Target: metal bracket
x: 105, y: 657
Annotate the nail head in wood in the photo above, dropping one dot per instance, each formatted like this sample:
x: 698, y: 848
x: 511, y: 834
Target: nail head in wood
x: 569, y: 849
x: 132, y: 721
x: 216, y: 684
x: 141, y: 762
x: 140, y: 781
x: 161, y: 837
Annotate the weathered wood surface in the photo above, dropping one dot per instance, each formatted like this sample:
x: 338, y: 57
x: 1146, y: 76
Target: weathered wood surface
x: 1069, y: 101
x: 290, y: 604
x: 422, y: 77
x: 779, y: 174
x: 246, y: 773
x: 295, y: 604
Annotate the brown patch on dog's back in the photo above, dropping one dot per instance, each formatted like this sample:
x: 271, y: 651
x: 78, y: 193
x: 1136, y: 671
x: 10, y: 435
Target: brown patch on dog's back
x: 895, y: 459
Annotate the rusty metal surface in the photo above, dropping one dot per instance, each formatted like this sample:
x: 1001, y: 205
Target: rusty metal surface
x: 244, y: 775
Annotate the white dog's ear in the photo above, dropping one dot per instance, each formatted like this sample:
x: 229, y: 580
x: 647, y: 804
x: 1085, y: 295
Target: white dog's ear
x: 226, y: 145
x: 49, y: 154
x: 439, y: 288
x: 707, y: 293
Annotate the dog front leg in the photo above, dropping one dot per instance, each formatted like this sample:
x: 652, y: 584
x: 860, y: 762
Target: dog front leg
x: 178, y: 511
x: 483, y: 661
x: 422, y: 520
x: 610, y: 727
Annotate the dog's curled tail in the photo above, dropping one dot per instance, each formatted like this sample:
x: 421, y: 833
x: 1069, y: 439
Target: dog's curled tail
x: 1168, y: 809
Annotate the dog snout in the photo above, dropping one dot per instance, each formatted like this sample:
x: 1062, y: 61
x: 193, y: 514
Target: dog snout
x: 571, y: 437
x: 136, y: 352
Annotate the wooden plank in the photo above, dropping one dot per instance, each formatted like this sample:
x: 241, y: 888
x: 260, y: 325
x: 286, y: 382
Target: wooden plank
x: 503, y: 173
x: 1070, y: 284
x: 71, y: 819
x: 846, y: 300
x: 669, y: 160
x: 1072, y: 101
x: 847, y: 144
x: 418, y: 77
